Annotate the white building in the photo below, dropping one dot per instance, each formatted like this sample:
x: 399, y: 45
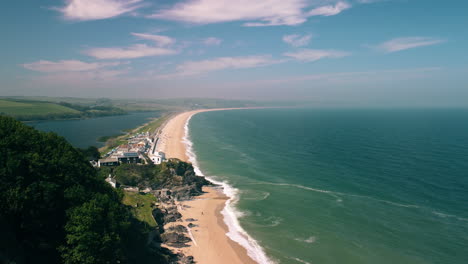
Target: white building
x: 157, y: 157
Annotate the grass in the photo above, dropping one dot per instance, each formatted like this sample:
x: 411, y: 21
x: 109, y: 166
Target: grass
x: 142, y: 206
x: 28, y: 108
x: 153, y: 125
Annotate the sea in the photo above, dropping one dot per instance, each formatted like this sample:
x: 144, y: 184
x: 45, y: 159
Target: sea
x: 83, y: 133
x: 320, y: 186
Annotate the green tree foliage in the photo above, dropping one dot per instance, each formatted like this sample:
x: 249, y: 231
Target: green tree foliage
x: 168, y: 174
x: 94, y: 232
x: 91, y: 153
x: 54, y: 208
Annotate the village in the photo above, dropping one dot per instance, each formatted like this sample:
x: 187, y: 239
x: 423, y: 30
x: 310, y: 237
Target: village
x: 140, y: 148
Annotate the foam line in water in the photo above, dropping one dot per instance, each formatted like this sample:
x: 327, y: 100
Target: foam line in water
x: 337, y: 194
x: 229, y: 212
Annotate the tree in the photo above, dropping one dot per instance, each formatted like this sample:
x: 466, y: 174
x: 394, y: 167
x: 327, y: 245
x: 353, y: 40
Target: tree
x: 95, y: 232
x: 43, y: 180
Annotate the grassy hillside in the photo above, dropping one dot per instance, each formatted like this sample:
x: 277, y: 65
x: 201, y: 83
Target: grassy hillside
x: 142, y: 206
x: 24, y: 110
x: 17, y: 108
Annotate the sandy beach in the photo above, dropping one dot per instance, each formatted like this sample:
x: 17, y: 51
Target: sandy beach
x: 210, y: 243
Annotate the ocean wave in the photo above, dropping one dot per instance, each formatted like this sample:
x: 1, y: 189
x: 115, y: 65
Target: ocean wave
x: 338, y: 195
x: 300, y: 260
x: 443, y: 215
x: 254, y: 195
x: 308, y: 240
x: 271, y: 221
x: 230, y: 213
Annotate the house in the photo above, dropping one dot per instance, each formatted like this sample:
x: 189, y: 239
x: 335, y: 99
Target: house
x: 157, y: 157
x: 108, y: 162
x: 129, y: 157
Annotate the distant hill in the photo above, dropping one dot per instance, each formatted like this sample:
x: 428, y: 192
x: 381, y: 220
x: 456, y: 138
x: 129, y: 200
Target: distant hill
x: 42, y: 110
x: 40, y: 107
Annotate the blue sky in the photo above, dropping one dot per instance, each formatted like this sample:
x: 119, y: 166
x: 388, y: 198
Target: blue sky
x: 396, y: 52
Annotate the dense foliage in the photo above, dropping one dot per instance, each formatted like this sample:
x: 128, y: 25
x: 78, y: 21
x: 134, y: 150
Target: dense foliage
x: 54, y: 208
x: 168, y: 174
x: 91, y: 153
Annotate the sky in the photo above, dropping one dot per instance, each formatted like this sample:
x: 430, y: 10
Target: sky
x: 381, y: 52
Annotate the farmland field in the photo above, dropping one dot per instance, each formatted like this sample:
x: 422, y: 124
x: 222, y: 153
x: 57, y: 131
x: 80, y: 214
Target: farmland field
x: 33, y: 108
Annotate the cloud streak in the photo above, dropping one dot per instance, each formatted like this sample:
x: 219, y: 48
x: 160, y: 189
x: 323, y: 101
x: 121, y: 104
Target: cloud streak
x: 83, y: 10
x: 296, y: 40
x: 310, y: 55
x: 66, y: 66
x: 259, y: 13
x: 329, y: 10
x: 191, y: 68
x: 159, y: 40
x: 131, y: 52
x: 212, y: 41
x: 399, y: 44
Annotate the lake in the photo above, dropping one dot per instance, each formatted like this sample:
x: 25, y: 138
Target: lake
x: 85, y: 132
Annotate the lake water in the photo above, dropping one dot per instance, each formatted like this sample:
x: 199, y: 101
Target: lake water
x: 85, y: 132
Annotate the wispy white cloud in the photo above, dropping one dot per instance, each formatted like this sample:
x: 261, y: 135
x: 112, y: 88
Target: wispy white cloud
x: 316, y: 54
x: 261, y: 13
x: 131, y: 52
x: 159, y: 40
x: 190, y: 68
x: 369, y: 1
x: 83, y: 10
x: 329, y: 10
x: 67, y: 66
x: 297, y: 40
x: 212, y: 41
x: 399, y: 44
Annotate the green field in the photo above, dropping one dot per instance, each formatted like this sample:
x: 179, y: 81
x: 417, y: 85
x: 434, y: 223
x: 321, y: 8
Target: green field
x: 142, y: 205
x: 154, y: 124
x: 26, y: 108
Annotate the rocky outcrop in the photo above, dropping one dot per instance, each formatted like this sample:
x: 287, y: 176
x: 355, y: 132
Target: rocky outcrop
x: 175, y: 239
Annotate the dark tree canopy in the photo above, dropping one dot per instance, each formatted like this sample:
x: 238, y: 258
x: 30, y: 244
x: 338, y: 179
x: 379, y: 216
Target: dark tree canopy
x: 54, y: 208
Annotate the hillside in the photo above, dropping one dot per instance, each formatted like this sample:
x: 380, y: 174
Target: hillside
x: 56, y: 208
x: 25, y: 110
x: 31, y: 108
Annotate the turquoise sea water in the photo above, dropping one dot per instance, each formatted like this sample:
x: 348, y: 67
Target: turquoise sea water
x: 83, y: 133
x: 344, y: 186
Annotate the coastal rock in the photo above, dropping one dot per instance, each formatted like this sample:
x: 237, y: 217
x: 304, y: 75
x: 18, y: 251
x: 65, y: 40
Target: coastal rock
x: 178, y: 229
x: 191, y: 220
x: 172, y: 216
x: 174, y: 239
x: 192, y: 225
x: 186, y: 260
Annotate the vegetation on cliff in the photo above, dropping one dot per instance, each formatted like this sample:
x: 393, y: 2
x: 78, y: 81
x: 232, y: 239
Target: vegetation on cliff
x: 171, y: 174
x: 56, y: 208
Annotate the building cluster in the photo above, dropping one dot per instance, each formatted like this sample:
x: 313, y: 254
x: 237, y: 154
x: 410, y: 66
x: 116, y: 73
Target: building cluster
x: 138, y: 147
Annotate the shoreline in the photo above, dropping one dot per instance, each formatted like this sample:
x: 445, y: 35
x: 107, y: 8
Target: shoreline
x: 217, y: 227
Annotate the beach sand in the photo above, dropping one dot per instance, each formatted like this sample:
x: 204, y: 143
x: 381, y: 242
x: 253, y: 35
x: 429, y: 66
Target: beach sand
x: 210, y: 243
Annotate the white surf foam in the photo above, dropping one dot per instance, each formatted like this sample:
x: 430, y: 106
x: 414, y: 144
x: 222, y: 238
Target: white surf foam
x: 230, y: 213
x: 308, y: 240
